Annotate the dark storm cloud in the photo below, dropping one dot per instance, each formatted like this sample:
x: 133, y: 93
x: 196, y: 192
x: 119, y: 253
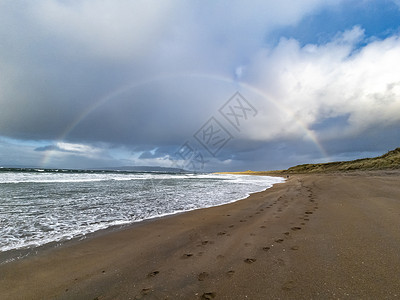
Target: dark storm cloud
x: 61, y: 57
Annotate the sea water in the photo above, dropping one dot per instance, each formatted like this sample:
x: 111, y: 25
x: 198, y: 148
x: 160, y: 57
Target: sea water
x: 43, y: 206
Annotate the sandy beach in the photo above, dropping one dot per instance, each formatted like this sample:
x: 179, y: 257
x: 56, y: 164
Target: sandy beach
x: 328, y: 236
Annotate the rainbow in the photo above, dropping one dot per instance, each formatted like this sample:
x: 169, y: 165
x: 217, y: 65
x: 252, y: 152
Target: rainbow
x: 239, y: 85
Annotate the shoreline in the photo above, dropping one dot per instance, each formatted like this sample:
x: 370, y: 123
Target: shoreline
x: 21, y: 253
x: 316, y: 236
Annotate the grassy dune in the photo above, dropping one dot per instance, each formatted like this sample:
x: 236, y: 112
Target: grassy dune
x: 390, y: 160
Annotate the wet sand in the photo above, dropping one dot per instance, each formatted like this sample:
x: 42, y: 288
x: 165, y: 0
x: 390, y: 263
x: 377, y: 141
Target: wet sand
x: 315, y: 236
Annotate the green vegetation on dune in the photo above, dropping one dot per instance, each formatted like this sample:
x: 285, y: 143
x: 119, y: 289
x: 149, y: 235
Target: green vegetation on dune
x: 390, y: 160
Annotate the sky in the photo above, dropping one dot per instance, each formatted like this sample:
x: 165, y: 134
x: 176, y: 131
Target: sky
x: 199, y: 85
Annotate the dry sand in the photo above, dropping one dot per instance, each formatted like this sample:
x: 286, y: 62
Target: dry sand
x: 316, y: 236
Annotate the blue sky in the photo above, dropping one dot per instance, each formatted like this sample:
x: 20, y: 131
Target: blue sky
x: 379, y: 19
x: 232, y: 85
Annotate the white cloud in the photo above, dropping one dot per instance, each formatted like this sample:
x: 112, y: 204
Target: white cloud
x: 318, y: 82
x: 77, y: 148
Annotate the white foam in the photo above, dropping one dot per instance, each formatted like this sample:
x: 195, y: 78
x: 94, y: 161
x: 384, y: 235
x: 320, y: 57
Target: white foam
x: 52, y: 207
x: 15, y: 177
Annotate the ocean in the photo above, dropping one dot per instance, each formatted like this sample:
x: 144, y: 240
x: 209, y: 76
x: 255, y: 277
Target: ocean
x: 44, y: 206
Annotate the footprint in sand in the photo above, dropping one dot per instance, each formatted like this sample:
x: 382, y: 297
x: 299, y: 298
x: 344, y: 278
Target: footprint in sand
x: 266, y: 248
x: 250, y: 260
x: 203, y: 243
x: 231, y: 226
x: 187, y: 255
x: 308, y: 212
x: 263, y: 226
x: 202, y: 276
x: 289, y: 285
x: 143, y: 292
x: 230, y: 273
x: 221, y: 233
x: 295, y: 248
x: 286, y: 233
x: 243, y: 221
x: 207, y: 296
x: 296, y: 228
x: 153, y: 274
x: 247, y: 244
x: 279, y: 240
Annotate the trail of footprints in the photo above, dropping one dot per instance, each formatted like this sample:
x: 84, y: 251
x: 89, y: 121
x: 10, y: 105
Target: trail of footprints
x: 281, y: 203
